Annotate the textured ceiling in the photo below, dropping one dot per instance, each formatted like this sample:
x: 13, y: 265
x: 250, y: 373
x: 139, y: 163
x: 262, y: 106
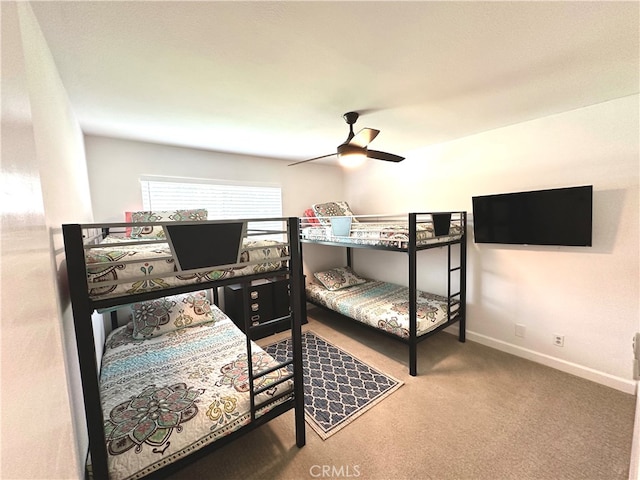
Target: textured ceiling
x: 274, y: 78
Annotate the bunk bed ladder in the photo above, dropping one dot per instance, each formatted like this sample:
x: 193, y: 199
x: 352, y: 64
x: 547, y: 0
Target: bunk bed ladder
x: 293, y: 364
x: 255, y: 376
x: 453, y: 299
x: 458, y: 298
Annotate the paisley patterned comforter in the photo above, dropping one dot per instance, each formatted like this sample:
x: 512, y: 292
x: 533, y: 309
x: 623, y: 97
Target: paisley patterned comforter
x: 115, y: 270
x: 376, y: 234
x: 383, y: 305
x: 167, y: 396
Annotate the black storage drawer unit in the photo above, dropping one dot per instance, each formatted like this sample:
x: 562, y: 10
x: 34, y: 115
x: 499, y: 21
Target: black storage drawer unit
x: 281, y: 300
x: 268, y: 300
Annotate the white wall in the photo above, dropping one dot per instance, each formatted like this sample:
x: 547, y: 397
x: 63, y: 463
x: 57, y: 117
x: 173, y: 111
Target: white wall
x: 44, y: 184
x: 115, y: 166
x: 589, y: 295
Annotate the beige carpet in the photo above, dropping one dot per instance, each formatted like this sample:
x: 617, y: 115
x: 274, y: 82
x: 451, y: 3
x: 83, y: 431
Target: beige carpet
x: 471, y: 413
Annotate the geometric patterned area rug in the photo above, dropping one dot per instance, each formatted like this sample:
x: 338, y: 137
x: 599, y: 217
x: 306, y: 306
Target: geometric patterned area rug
x: 338, y: 388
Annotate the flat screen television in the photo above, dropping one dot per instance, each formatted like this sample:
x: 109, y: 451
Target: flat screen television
x: 560, y: 216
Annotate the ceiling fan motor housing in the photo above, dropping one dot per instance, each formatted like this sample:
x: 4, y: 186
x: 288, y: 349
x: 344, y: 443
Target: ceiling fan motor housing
x: 346, y: 150
x: 351, y: 117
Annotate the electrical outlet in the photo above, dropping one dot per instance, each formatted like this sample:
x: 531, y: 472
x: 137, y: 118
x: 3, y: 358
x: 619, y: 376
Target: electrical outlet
x: 558, y: 340
x: 520, y: 330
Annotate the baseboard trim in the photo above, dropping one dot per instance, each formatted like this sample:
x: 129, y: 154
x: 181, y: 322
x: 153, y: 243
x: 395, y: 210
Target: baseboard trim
x: 624, y: 385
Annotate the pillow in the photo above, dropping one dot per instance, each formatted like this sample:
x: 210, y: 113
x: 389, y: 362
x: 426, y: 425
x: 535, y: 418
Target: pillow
x: 127, y: 218
x: 309, y: 218
x: 149, y: 231
x: 338, y: 278
x: 163, y: 315
x: 331, y: 209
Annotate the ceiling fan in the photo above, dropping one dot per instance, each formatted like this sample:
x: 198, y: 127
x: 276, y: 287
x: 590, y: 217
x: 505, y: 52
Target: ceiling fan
x: 356, y: 144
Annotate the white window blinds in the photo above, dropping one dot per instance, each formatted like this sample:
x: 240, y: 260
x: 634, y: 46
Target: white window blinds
x: 221, y: 200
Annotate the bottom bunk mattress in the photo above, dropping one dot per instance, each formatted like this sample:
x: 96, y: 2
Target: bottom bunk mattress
x: 383, y: 305
x: 166, y: 396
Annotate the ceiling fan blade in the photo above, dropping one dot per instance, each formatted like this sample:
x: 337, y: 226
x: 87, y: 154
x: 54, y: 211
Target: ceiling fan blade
x: 364, y: 137
x: 389, y: 157
x: 311, y: 159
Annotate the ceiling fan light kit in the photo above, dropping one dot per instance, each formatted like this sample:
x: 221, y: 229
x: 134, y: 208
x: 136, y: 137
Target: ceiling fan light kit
x: 354, y: 151
x: 351, y: 156
x: 346, y: 150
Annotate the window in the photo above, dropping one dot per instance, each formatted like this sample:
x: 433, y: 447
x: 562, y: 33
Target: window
x: 222, y: 200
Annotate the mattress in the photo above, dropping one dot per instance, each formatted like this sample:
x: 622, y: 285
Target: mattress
x: 119, y: 267
x: 392, y: 235
x: 167, y: 396
x: 383, y: 305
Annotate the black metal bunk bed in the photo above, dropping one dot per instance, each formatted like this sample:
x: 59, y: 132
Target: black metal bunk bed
x: 78, y: 239
x: 448, y: 230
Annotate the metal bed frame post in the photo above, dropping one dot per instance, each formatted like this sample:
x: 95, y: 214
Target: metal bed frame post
x: 85, y: 342
x: 462, y: 324
x: 296, y: 299
x: 413, y: 327
x: 449, y: 270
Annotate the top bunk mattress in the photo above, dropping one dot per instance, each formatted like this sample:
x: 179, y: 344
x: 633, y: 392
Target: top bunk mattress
x: 392, y: 235
x: 335, y: 223
x: 118, y: 267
